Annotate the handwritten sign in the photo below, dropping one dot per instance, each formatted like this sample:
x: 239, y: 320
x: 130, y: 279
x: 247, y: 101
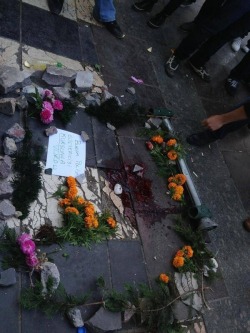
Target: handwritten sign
x: 66, y: 154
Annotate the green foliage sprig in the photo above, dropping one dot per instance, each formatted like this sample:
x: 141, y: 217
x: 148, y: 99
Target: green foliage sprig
x: 110, y: 111
x: 51, y: 303
x: 12, y: 256
x: 26, y: 181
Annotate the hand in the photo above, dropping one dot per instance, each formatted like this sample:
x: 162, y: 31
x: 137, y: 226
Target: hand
x: 213, y: 123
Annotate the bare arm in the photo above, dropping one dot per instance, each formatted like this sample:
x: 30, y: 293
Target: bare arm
x: 217, y: 121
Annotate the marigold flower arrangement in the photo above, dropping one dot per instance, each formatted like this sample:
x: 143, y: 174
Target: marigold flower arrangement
x: 175, y: 185
x: 46, y: 104
x: 182, y: 259
x: 82, y: 224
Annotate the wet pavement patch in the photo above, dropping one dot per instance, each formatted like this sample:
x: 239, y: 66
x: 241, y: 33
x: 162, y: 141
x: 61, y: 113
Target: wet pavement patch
x: 9, y: 19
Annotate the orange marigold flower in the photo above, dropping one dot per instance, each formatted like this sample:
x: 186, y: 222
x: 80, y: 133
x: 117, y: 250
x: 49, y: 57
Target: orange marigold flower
x: 80, y: 201
x: 72, y: 210
x: 180, y: 179
x: 95, y: 223
x: 111, y: 222
x: 188, y: 251
x: 179, y: 189
x: 71, y: 181
x: 172, y: 155
x: 164, y: 278
x: 64, y: 202
x: 89, y: 210
x: 72, y: 193
x: 178, y: 262
x: 171, y: 142
x: 177, y: 196
x: 170, y: 179
x: 171, y: 185
x: 157, y: 139
x: 180, y: 253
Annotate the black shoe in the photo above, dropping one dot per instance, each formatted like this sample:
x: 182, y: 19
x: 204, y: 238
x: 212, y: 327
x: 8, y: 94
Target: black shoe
x: 144, y: 6
x: 114, y: 29
x: 231, y: 86
x: 201, y: 72
x: 55, y: 6
x: 158, y: 20
x: 201, y: 138
x: 188, y: 26
x: 172, y: 65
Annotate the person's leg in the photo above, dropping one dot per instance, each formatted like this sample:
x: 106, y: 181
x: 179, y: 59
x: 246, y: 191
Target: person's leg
x: 144, y: 5
x: 242, y: 71
x: 214, y: 43
x: 157, y: 20
x: 104, y: 12
x: 226, y: 15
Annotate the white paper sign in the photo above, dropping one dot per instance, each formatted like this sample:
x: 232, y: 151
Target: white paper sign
x: 66, y: 154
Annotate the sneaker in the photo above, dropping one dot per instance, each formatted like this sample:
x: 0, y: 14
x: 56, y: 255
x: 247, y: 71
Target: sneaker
x: 245, y: 48
x: 55, y: 6
x: 187, y: 3
x: 201, y: 72
x: 236, y: 44
x: 144, y: 6
x: 201, y: 139
x: 114, y: 29
x: 156, y: 21
x: 231, y: 86
x: 188, y: 26
x: 172, y: 65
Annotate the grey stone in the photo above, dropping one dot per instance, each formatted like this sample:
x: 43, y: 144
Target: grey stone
x: 9, y: 146
x: 131, y: 90
x: 22, y: 102
x: 107, y: 95
x: 49, y: 270
x: 128, y: 313
x: 48, y: 171
x: 56, y: 76
x: 155, y: 122
x: 137, y: 168
x: 28, y: 90
x: 18, y: 214
x: 6, y: 189
x: 84, y: 81
x: 187, y: 285
x: 84, y: 136
x: 104, y: 320
x: 8, y: 277
x: 91, y: 100
x: 6, y: 209
x: 80, y: 178
x: 12, y: 78
x: 183, y: 312
x: 51, y: 130
x: 16, y: 132
x: 7, y: 106
x: 75, y: 317
x: 61, y: 92
x: 111, y: 127
x: 5, y: 166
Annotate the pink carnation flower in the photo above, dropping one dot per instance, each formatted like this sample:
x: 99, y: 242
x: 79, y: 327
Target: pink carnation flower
x: 48, y: 106
x: 57, y: 105
x: 47, y: 93
x: 28, y: 247
x: 32, y: 260
x: 23, y: 238
x: 46, y: 116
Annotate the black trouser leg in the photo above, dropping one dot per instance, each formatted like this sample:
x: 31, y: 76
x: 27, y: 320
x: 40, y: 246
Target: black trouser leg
x: 171, y: 7
x: 242, y: 71
x: 214, y: 43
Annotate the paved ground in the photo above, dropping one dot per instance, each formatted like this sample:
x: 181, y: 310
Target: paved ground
x: 29, y: 32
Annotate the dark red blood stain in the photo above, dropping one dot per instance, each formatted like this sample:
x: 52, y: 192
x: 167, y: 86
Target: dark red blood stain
x: 137, y: 188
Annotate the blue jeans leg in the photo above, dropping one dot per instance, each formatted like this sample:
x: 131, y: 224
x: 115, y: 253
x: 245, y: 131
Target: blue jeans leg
x: 104, y: 10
